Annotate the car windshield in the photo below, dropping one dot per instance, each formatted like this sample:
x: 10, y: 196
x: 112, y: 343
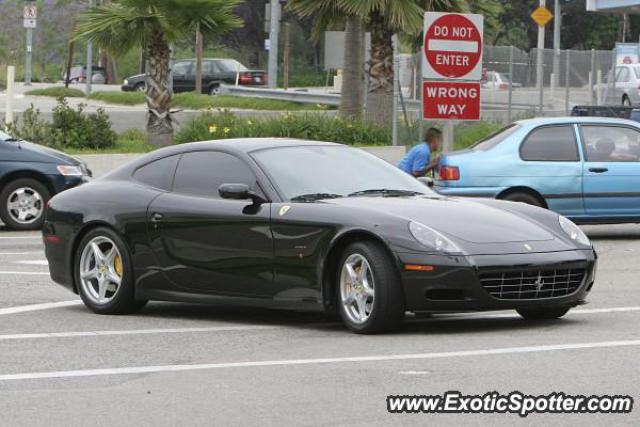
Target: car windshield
x: 320, y: 172
x: 231, y: 65
x: 495, y: 138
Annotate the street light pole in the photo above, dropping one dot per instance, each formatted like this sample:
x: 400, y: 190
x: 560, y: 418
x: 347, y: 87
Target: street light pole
x: 540, y: 60
x: 89, y: 59
x: 273, y: 43
x: 557, y: 28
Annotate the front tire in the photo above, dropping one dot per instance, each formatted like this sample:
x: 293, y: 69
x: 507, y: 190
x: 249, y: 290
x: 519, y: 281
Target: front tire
x: 104, y: 273
x: 369, y: 296
x: 543, y: 313
x: 22, y: 204
x: 214, y: 89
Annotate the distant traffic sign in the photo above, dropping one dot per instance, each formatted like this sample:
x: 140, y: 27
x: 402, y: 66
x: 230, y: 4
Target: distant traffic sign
x: 30, y: 12
x: 542, y: 16
x: 443, y: 100
x: 30, y: 23
x: 452, y: 46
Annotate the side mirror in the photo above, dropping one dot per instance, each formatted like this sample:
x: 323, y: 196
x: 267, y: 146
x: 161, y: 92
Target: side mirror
x: 426, y: 181
x: 239, y: 192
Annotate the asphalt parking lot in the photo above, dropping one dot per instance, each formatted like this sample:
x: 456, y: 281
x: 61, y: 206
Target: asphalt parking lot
x: 179, y: 364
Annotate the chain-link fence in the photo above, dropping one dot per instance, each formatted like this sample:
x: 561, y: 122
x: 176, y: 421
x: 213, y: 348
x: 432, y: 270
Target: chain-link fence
x: 517, y: 84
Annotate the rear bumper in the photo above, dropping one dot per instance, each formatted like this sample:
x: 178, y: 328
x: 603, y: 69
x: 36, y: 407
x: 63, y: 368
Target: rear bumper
x: 454, y: 284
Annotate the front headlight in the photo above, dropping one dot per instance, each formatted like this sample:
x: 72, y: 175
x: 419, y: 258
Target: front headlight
x: 126, y: 82
x: 70, y: 170
x: 574, y: 232
x: 431, y: 238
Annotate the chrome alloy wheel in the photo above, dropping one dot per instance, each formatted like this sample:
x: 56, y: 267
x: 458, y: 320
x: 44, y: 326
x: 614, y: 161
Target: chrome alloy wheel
x: 25, y: 205
x: 357, y: 288
x: 101, y: 270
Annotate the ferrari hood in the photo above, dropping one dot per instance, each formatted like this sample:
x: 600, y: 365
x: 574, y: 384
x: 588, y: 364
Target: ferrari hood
x: 462, y: 219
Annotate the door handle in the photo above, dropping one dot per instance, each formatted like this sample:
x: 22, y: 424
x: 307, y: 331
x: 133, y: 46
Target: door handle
x: 156, y: 217
x: 598, y: 170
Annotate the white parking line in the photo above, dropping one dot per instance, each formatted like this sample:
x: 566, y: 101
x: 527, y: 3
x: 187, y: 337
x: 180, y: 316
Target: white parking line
x: 33, y: 262
x: 332, y: 360
x: 464, y: 316
x: 27, y: 273
x: 38, y: 307
x: 134, y: 332
x: 21, y: 253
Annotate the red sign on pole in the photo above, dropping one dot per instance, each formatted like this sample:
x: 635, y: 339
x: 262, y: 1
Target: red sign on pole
x: 452, y: 46
x: 451, y: 100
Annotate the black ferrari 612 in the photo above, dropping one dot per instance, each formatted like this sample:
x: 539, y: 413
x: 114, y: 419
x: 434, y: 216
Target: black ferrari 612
x: 316, y: 225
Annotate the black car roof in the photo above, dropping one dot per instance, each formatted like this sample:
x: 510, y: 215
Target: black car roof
x: 237, y: 145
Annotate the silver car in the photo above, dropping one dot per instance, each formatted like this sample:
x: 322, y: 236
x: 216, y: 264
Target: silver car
x: 627, y: 85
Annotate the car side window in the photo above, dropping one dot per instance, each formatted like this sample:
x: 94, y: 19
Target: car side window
x: 611, y: 143
x: 209, y: 68
x: 201, y: 173
x: 550, y: 144
x: 182, y: 68
x: 158, y: 174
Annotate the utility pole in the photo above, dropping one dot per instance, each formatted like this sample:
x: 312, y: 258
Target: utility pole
x: 89, y: 59
x: 557, y: 28
x: 274, y: 31
x: 540, y: 60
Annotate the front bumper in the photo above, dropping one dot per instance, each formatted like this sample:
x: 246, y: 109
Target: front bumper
x: 61, y: 182
x: 454, y: 284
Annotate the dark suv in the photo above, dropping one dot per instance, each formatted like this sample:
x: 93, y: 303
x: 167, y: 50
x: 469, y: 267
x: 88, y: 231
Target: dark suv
x: 30, y: 175
x: 214, y: 73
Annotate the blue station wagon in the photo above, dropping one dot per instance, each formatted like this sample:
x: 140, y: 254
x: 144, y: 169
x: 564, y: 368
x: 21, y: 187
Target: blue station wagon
x: 585, y: 168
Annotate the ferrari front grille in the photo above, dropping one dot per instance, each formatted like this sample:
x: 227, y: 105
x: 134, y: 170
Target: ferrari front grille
x: 532, y: 284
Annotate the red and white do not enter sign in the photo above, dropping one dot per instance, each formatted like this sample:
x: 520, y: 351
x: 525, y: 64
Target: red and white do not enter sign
x: 453, y: 46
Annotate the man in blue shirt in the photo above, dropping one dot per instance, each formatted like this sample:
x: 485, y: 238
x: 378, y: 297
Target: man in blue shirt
x: 419, y: 160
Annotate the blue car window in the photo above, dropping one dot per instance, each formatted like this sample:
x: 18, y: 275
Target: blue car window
x: 611, y: 143
x: 550, y: 144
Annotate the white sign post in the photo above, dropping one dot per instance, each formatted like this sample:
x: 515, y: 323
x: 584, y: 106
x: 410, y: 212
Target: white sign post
x: 30, y: 15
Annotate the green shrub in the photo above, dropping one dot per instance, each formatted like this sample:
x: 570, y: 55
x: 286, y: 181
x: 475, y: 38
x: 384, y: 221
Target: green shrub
x: 57, y: 92
x: 321, y: 127
x: 468, y: 134
x: 70, y: 128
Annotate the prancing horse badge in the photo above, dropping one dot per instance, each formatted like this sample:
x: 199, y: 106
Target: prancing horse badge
x: 284, y: 210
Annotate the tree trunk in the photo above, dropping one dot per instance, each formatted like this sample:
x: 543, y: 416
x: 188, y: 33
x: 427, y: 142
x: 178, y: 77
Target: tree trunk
x: 353, y: 84
x: 67, y: 79
x: 199, y: 55
x: 158, y: 91
x: 380, y: 98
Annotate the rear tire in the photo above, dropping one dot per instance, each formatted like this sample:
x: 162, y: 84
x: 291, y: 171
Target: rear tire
x: 22, y: 204
x: 214, y: 89
x: 543, y: 313
x: 372, y: 302
x: 523, y: 197
x: 97, y: 274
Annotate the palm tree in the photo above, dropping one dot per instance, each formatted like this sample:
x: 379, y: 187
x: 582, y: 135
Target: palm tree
x: 325, y: 14
x: 154, y: 25
x: 387, y: 17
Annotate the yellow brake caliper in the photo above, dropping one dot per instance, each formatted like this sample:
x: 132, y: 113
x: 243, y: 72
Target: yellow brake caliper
x: 117, y: 265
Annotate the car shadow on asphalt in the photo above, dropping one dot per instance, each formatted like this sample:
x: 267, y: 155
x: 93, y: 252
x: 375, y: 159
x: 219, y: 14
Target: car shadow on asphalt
x: 321, y: 322
x: 612, y: 232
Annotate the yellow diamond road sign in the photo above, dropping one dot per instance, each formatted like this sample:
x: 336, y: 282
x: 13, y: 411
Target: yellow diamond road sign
x: 542, y: 16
